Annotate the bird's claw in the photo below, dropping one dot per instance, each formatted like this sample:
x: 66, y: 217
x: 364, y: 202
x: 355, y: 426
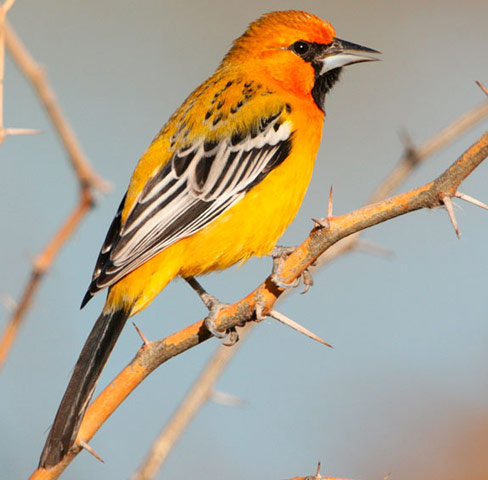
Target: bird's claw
x: 230, y: 336
x: 307, y: 281
x: 279, y: 255
x: 214, y: 305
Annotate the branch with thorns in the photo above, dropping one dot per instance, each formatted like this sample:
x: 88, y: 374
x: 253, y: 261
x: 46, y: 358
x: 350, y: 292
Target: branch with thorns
x: 4, y: 132
x: 182, y: 416
x: 154, y: 353
x: 88, y: 182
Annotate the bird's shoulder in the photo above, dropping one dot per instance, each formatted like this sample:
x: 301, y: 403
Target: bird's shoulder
x: 224, y: 109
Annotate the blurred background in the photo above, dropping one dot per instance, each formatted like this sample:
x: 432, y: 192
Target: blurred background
x: 405, y: 389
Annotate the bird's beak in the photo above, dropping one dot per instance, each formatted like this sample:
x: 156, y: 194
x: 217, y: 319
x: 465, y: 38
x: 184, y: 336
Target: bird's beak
x: 341, y: 53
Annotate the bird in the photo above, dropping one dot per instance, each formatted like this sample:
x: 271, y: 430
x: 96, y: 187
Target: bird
x: 219, y: 183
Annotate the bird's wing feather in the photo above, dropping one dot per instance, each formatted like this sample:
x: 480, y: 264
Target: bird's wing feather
x: 198, y: 184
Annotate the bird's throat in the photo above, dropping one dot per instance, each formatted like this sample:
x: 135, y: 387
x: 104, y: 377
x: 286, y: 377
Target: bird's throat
x: 323, y: 83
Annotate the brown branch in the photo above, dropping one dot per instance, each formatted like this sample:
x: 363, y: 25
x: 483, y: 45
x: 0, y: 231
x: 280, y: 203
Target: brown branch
x: 87, y: 179
x: 410, y: 159
x: 40, y: 266
x: 414, y: 155
x: 37, y: 76
x: 181, y: 417
x: 153, y: 354
x: 4, y: 8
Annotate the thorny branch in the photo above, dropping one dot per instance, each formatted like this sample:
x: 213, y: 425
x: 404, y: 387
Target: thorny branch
x: 153, y: 354
x: 88, y: 181
x: 4, y: 132
x: 411, y: 158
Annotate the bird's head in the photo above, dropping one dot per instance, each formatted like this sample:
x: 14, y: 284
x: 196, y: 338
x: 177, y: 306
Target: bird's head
x: 297, y: 50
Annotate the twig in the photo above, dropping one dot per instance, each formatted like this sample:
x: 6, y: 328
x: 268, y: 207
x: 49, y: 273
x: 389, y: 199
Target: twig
x: 40, y: 266
x: 266, y: 294
x: 4, y: 8
x: 485, y: 90
x: 200, y: 392
x: 88, y: 181
x: 409, y: 160
x: 414, y: 155
x: 37, y: 77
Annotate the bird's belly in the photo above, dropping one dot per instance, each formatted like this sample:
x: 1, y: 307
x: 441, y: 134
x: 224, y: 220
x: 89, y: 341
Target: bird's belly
x: 252, y: 226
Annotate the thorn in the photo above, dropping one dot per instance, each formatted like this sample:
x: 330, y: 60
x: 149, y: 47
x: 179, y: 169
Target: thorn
x: 322, y: 223
x: 87, y: 447
x: 144, y: 339
x: 21, y: 131
x: 296, y: 326
x: 372, y: 248
x: 411, y: 154
x: 446, y: 200
x: 227, y: 399
x: 329, y: 206
x: 485, y: 90
x: 472, y: 200
x: 317, y: 475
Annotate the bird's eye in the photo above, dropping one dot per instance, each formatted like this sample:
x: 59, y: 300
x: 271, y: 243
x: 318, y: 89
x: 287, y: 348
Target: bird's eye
x: 300, y: 48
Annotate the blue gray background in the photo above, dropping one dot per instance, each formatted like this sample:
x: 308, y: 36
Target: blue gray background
x: 405, y: 389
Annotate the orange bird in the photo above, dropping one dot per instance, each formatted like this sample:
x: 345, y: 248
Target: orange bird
x: 219, y: 184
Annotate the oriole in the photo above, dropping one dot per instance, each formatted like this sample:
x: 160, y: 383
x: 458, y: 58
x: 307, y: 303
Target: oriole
x: 220, y: 182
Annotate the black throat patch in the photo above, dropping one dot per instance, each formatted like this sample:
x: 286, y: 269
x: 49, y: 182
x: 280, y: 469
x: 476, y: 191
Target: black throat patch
x: 323, y: 84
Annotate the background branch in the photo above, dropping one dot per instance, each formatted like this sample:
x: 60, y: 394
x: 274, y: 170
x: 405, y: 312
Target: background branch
x: 88, y: 181
x: 153, y: 354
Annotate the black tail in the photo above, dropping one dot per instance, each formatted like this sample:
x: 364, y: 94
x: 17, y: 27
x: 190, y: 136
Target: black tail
x: 80, y: 389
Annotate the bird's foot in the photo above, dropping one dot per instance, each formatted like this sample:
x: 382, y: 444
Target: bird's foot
x: 279, y: 255
x: 230, y: 336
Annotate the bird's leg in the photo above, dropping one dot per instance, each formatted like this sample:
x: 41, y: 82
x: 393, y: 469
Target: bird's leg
x: 279, y: 255
x: 214, y: 306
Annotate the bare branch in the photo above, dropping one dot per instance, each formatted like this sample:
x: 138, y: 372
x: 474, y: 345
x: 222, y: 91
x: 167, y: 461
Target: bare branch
x: 41, y: 264
x: 409, y: 160
x: 414, y: 155
x: 37, y: 76
x: 7, y: 5
x: 266, y: 294
x: 87, y: 179
x: 485, y: 90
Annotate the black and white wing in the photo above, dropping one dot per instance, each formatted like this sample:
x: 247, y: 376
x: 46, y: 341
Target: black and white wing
x: 195, y: 186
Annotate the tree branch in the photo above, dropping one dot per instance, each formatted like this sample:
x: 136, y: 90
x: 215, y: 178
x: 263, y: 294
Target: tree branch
x: 182, y: 416
x: 88, y: 181
x: 153, y: 354
x: 37, y: 76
